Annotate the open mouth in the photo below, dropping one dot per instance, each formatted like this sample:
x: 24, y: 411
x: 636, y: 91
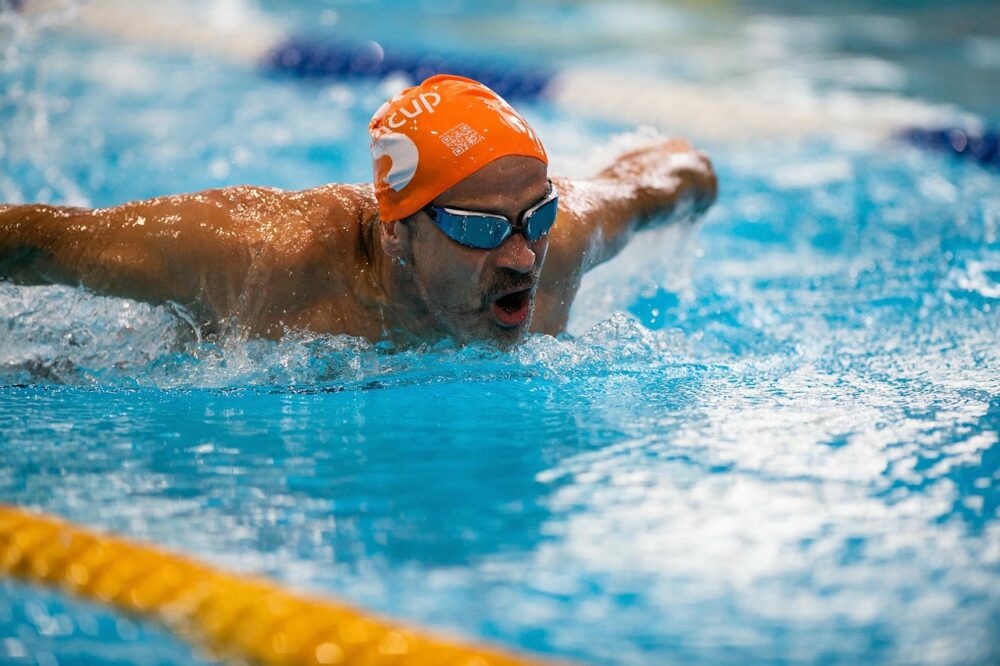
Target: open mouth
x: 513, y: 309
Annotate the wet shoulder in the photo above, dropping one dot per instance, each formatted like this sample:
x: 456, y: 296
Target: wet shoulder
x: 303, y: 226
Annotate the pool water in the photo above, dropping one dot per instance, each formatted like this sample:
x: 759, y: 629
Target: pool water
x: 773, y: 438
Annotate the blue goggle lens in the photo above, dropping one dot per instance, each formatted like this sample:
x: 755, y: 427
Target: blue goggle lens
x: 541, y: 219
x: 484, y: 231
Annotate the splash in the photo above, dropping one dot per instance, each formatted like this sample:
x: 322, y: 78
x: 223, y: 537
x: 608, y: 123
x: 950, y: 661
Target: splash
x: 59, y: 335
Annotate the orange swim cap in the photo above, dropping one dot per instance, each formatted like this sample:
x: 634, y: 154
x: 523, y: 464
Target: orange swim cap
x: 431, y: 136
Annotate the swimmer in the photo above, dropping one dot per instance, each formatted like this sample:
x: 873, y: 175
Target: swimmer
x: 463, y: 235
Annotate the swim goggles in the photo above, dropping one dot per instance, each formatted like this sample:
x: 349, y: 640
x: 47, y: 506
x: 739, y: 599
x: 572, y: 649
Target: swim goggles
x: 486, y: 231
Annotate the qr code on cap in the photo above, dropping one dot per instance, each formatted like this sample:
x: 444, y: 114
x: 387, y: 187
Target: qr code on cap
x: 460, y: 138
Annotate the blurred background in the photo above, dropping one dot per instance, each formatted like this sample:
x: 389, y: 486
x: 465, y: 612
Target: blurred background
x: 83, y: 81
x: 770, y: 438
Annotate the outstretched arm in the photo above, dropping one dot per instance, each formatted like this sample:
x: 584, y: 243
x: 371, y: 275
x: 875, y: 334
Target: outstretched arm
x: 196, y: 249
x: 664, y: 183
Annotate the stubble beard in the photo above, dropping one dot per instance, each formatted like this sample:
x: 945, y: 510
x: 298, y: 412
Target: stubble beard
x: 475, y: 323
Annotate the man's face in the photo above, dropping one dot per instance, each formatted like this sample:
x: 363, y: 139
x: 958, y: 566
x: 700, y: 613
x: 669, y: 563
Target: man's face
x: 479, y: 294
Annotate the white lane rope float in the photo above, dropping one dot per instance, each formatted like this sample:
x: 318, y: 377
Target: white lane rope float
x: 238, y: 34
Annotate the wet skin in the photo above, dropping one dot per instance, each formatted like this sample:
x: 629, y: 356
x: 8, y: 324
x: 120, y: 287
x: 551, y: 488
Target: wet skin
x: 323, y: 261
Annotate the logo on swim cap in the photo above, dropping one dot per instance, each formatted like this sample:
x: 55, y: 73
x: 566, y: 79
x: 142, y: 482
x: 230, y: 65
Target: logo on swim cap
x: 404, y: 155
x: 460, y: 138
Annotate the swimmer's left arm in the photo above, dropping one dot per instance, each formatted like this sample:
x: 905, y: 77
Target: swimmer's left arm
x: 661, y: 184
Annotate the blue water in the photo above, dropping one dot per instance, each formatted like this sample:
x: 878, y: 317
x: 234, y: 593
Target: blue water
x: 772, y: 439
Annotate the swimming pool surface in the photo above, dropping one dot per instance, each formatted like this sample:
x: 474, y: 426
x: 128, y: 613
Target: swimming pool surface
x: 771, y: 439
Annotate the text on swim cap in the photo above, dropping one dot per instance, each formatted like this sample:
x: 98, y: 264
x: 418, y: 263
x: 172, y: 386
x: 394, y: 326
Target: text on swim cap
x: 425, y: 101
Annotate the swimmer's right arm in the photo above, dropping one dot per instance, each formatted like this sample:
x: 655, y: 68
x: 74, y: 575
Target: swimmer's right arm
x: 196, y: 250
x: 658, y: 185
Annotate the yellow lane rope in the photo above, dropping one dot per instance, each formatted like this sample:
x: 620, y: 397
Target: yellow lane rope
x: 236, y: 617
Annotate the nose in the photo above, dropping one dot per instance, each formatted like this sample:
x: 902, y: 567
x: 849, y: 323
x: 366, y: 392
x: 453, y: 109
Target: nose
x: 517, y: 254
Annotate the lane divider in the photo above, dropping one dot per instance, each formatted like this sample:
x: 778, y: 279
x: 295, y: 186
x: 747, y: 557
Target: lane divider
x: 234, y: 616
x: 247, y: 36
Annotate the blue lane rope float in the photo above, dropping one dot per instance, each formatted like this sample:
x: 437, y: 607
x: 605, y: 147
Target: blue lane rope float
x: 316, y: 59
x: 980, y: 147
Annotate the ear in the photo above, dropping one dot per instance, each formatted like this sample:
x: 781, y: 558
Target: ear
x: 395, y: 239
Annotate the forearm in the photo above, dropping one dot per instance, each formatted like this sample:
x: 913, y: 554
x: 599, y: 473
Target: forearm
x: 239, y: 251
x: 135, y: 251
x: 33, y: 243
x: 660, y: 184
